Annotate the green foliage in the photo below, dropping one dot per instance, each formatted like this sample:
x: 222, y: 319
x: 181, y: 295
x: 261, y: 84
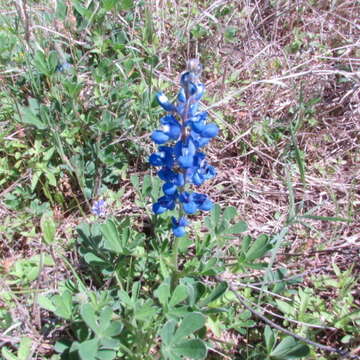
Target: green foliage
x: 110, y: 287
x: 23, y: 352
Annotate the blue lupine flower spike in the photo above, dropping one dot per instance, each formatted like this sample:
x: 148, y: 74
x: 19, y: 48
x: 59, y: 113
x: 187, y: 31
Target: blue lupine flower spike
x: 184, y: 131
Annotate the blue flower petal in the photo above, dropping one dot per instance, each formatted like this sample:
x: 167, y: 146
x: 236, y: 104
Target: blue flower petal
x: 164, y: 102
x: 190, y: 208
x: 169, y: 188
x: 166, y: 174
x: 158, y: 208
x: 210, y: 130
x: 159, y: 137
x: 179, y: 231
x: 181, y: 96
x: 197, y: 126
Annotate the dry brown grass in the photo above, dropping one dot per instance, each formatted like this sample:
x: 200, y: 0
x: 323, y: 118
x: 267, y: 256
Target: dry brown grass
x: 254, y: 84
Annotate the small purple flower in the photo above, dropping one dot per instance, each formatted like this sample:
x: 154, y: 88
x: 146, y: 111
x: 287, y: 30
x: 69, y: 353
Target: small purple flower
x: 98, y: 208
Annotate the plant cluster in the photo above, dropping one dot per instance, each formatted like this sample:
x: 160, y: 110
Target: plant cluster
x: 87, y: 270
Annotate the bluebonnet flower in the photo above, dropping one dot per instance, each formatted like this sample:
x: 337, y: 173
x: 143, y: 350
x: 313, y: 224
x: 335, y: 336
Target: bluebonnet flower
x: 98, y: 208
x: 181, y: 162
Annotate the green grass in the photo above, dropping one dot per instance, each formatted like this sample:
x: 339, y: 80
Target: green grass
x: 277, y: 255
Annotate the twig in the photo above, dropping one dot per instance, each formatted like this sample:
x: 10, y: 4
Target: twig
x: 243, y: 301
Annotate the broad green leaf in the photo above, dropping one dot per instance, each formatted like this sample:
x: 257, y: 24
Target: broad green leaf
x: 34, y: 179
x: 113, y: 329
x: 229, y: 213
x: 50, y: 177
x: 215, y: 293
x: 127, y: 4
x: 146, y: 185
x: 94, y: 260
x: 24, y: 348
x: 236, y: 228
x: 269, y: 338
x: 63, y: 304
x: 125, y: 298
x: 145, y: 312
x: 106, y: 354
x: 88, y: 349
x: 48, y: 228
x: 41, y: 63
x: 135, y: 182
x: 109, y: 4
x: 289, y: 348
x: 8, y: 355
x: 52, y: 61
x: 167, y: 331
x: 259, y: 248
x: 192, y: 349
x: 83, y: 11
x: 111, y: 237
x: 284, y: 307
x: 191, y: 322
x: 27, y: 116
x: 215, y: 215
x: 109, y: 342
x: 179, y: 295
x: 88, y: 314
x: 46, y: 303
x: 104, y: 320
x: 245, y: 243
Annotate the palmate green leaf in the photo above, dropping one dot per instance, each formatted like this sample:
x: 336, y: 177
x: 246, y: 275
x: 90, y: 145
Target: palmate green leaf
x: 259, y: 248
x: 191, y: 323
x: 237, y: 228
x: 41, y: 63
x: 229, y: 213
x: 215, y: 216
x: 105, y: 354
x: 109, y: 4
x: 127, y: 4
x: 104, y: 320
x: 111, y: 237
x: 63, y: 305
x: 52, y: 62
x: 88, y: 349
x: 29, y: 116
x: 114, y: 329
x: 215, y: 294
x: 24, y: 348
x: 145, y: 312
x: 179, y: 295
x: 46, y: 303
x: 48, y: 228
x: 7, y: 354
x: 167, y: 331
x: 245, y: 243
x: 284, y: 307
x: 192, y: 349
x: 88, y: 315
x: 269, y: 338
x: 288, y: 349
